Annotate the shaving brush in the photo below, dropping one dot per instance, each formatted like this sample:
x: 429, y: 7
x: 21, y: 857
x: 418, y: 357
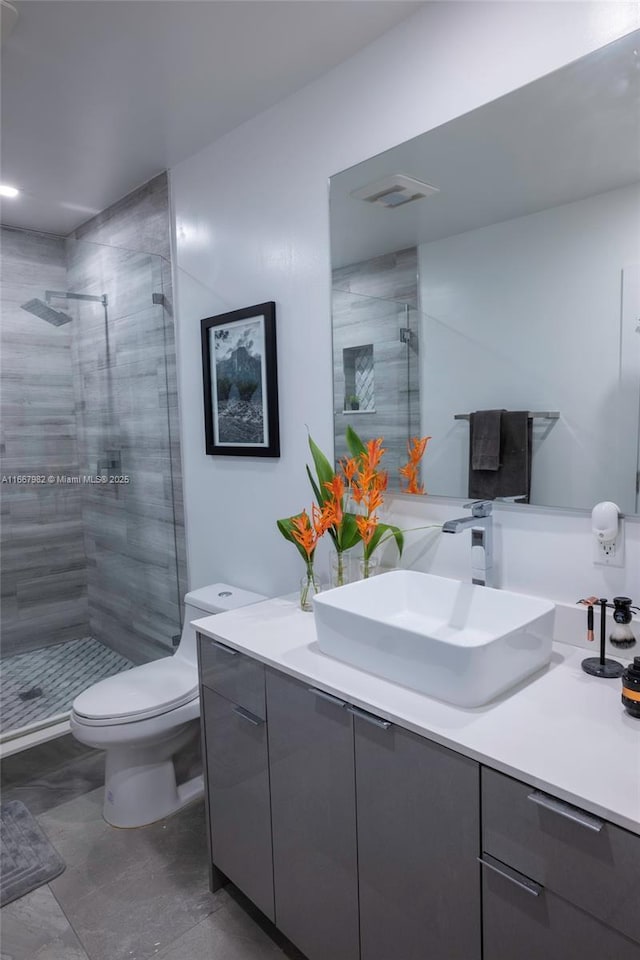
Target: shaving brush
x: 621, y: 635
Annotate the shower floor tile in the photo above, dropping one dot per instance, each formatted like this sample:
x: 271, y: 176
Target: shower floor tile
x: 51, y: 678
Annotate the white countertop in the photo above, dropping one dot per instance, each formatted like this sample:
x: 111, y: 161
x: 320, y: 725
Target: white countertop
x: 562, y: 731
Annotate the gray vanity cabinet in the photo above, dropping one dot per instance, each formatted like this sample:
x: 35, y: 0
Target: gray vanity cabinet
x: 558, y: 882
x: 313, y: 819
x: 418, y: 844
x: 520, y: 923
x: 235, y: 743
x: 363, y: 841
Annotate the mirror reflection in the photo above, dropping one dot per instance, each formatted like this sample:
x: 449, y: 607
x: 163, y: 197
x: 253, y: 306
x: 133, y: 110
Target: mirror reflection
x: 486, y: 292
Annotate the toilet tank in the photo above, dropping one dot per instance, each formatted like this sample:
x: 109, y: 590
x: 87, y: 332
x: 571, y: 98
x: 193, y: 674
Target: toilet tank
x: 217, y: 598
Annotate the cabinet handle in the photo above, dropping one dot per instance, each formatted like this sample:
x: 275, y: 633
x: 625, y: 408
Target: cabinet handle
x: 529, y: 886
x: 369, y: 717
x: 249, y: 717
x: 223, y: 649
x: 327, y: 696
x: 566, y: 810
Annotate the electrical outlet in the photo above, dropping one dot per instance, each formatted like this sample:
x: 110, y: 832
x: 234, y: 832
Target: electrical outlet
x: 610, y: 553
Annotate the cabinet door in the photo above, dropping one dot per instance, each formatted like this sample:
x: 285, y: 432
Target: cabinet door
x: 418, y: 843
x: 239, y: 809
x: 592, y: 864
x: 313, y: 816
x: 232, y: 674
x: 525, y: 921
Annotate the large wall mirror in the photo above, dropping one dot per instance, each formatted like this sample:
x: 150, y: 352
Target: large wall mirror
x: 493, y: 264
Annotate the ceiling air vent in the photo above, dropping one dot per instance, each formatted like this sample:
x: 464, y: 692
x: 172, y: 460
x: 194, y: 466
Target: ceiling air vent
x: 394, y: 191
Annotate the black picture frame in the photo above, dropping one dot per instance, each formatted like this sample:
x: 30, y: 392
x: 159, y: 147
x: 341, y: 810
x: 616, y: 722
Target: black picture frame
x: 240, y: 378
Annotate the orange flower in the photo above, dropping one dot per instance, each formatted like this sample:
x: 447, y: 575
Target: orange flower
x: 336, y: 489
x: 328, y: 516
x: 321, y: 520
x: 381, y: 481
x: 303, y: 533
x: 356, y: 491
x: 307, y: 531
x: 367, y: 528
x: 349, y: 466
x: 416, y: 447
x: 373, y: 455
x: 374, y: 500
x: 414, y: 487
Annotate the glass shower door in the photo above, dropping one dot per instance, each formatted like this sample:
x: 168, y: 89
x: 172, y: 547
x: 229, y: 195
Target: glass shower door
x: 94, y: 555
x: 375, y: 374
x: 124, y: 359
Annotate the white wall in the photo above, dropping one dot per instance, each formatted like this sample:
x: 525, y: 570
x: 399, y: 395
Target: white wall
x: 525, y: 315
x: 252, y: 224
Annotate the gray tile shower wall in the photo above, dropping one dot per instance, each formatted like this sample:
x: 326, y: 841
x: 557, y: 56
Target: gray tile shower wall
x: 128, y: 413
x: 139, y: 221
x: 368, y: 313
x: 44, y: 575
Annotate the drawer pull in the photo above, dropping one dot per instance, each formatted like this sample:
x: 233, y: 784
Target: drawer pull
x: 566, y: 810
x: 529, y: 886
x: 370, y: 718
x: 223, y: 649
x: 249, y: 717
x: 327, y: 696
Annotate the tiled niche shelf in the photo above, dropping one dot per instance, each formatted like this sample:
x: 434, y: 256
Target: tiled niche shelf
x: 359, y: 381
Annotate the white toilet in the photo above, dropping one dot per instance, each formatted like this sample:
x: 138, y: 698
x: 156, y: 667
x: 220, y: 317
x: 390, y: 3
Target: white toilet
x: 142, y: 717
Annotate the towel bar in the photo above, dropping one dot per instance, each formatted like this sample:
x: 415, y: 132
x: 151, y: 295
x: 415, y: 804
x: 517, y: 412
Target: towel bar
x: 537, y: 415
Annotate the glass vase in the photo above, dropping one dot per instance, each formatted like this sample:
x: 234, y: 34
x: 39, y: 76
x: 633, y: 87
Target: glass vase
x: 341, y: 568
x: 368, y: 567
x: 309, y: 587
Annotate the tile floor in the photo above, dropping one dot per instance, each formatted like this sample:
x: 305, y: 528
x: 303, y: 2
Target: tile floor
x: 59, y: 672
x: 128, y: 894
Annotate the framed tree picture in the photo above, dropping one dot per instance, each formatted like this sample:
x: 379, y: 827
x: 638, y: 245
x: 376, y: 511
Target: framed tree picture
x: 241, y: 383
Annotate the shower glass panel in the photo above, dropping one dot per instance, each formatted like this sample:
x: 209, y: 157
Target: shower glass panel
x: 93, y: 557
x: 375, y: 374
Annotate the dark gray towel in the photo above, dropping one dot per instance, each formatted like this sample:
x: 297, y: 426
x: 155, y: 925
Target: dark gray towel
x: 484, y: 427
x: 513, y: 478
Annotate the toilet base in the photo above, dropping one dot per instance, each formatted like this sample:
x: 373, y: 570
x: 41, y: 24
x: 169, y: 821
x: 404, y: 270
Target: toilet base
x: 140, y: 782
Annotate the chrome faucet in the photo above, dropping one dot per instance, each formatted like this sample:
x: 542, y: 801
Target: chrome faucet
x: 481, y: 524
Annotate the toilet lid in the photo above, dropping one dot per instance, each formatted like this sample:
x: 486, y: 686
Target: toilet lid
x: 141, y: 692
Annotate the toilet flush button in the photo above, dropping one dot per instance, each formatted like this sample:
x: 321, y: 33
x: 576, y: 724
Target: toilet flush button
x: 225, y: 593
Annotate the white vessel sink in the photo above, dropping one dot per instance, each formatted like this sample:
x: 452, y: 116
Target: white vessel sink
x: 456, y: 641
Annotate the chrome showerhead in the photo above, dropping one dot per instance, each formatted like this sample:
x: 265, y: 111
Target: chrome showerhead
x: 42, y: 310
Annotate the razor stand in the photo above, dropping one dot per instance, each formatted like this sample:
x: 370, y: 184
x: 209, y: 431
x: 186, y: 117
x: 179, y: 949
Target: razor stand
x: 602, y: 666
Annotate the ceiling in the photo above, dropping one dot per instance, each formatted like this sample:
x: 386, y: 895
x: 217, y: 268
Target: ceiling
x: 567, y: 136
x: 99, y: 96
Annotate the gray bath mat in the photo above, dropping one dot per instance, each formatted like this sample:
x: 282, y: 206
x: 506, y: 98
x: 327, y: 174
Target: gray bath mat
x: 28, y: 859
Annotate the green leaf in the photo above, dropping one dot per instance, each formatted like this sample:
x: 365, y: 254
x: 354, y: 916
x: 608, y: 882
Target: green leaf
x: 324, y: 470
x: 285, y: 526
x: 350, y: 534
x: 354, y: 443
x: 381, y: 530
x: 316, y: 490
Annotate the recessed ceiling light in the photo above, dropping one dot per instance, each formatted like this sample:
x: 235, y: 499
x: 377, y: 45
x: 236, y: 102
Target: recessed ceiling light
x: 7, y: 191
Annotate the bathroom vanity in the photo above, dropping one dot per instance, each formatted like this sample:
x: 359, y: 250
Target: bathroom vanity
x: 370, y: 821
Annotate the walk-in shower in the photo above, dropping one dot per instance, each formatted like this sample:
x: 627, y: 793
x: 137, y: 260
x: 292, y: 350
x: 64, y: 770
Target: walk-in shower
x: 58, y: 318
x: 375, y: 374
x: 92, y: 532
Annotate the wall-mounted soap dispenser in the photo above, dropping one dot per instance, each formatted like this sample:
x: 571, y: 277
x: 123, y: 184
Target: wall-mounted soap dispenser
x: 608, y: 530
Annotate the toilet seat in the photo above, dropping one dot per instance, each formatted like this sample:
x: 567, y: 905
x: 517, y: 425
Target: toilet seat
x: 138, y: 694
